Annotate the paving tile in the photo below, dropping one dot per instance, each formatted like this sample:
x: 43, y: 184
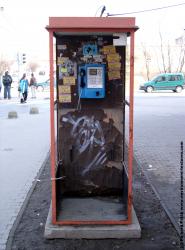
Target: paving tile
x: 21, y: 136
x: 157, y: 148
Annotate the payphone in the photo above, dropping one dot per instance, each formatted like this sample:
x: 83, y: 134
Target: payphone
x: 91, y: 81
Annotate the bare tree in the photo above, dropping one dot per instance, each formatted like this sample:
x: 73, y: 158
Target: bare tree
x: 162, y: 53
x: 33, y: 66
x: 169, y: 58
x: 147, y: 59
x: 157, y: 60
x: 181, y: 60
x: 4, y: 65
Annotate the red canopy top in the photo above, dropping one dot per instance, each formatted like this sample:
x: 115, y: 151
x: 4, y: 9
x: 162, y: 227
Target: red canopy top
x: 92, y: 24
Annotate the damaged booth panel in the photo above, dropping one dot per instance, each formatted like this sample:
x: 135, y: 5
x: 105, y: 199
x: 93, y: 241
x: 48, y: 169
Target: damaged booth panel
x: 90, y: 116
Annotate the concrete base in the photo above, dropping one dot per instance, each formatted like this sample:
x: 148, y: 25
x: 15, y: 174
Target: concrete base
x: 93, y: 231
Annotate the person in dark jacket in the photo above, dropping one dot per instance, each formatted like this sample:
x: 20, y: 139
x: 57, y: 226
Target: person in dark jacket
x: 7, y: 81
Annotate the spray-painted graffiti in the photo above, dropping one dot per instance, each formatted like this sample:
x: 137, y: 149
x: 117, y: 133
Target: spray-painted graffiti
x: 90, y: 148
x: 87, y: 134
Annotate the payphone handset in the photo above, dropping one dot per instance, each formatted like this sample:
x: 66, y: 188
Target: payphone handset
x: 91, y: 81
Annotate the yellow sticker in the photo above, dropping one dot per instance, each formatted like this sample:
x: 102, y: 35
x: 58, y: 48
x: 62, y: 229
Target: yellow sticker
x: 61, y: 60
x: 66, y: 98
x: 113, y: 57
x: 64, y: 89
x: 63, y: 70
x: 69, y: 80
x: 114, y: 65
x: 114, y: 75
x: 109, y: 49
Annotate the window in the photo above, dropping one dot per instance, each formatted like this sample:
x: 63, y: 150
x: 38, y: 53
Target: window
x: 161, y: 79
x: 171, y: 78
x: 175, y: 78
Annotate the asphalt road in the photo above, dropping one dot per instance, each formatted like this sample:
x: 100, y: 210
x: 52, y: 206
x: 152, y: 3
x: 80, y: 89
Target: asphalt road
x: 159, y: 127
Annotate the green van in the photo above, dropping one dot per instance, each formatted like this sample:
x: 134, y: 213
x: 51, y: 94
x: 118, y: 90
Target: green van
x: 167, y: 81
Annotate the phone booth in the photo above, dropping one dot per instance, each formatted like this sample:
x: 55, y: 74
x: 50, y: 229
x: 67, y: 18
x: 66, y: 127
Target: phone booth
x: 91, y: 180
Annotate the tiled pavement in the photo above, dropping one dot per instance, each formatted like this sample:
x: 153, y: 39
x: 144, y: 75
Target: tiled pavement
x: 157, y: 137
x: 159, y: 127
x: 24, y: 144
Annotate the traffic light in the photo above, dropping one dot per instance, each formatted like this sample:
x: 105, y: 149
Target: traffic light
x: 23, y: 58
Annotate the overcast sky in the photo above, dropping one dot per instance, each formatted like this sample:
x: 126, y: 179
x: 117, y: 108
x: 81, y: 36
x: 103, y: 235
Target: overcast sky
x: 22, y: 22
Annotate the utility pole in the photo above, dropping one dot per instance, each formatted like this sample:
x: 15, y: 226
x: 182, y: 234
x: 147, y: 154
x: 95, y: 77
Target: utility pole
x: 102, y: 11
x: 18, y: 67
x: 1, y: 11
x: 1, y: 7
x: 21, y: 60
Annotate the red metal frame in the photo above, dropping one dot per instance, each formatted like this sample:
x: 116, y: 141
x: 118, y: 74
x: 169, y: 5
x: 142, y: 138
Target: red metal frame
x: 131, y: 110
x: 52, y: 128
x: 92, y: 25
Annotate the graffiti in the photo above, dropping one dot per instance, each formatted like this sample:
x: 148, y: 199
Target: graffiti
x: 90, y: 148
x: 87, y: 135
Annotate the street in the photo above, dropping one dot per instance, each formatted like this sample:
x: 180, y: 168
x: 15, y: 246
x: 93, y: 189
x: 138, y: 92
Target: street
x: 159, y: 127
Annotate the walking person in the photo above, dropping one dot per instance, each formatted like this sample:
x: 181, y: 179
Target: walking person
x: 23, y: 88
x: 7, y: 81
x: 33, y: 84
x: 0, y: 85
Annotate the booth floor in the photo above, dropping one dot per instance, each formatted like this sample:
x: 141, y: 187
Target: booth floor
x: 91, y: 209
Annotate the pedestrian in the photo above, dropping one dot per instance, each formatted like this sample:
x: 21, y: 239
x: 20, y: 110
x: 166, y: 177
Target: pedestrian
x: 7, y: 81
x: 0, y: 85
x: 33, y: 85
x: 23, y: 88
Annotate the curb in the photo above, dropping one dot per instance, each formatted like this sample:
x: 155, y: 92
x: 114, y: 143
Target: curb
x: 21, y: 211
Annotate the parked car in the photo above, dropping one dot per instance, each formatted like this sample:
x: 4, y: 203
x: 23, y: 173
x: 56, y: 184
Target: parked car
x: 41, y: 86
x: 167, y: 81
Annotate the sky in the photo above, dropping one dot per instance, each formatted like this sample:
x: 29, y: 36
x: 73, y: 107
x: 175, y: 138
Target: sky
x: 22, y: 22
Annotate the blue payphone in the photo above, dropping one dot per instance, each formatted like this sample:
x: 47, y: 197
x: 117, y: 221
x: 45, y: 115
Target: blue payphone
x: 91, y: 81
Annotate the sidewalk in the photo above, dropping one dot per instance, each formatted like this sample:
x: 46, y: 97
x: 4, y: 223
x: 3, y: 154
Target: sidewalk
x: 19, y: 145
x: 158, y: 130
x: 28, y: 230
x: 157, y: 231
